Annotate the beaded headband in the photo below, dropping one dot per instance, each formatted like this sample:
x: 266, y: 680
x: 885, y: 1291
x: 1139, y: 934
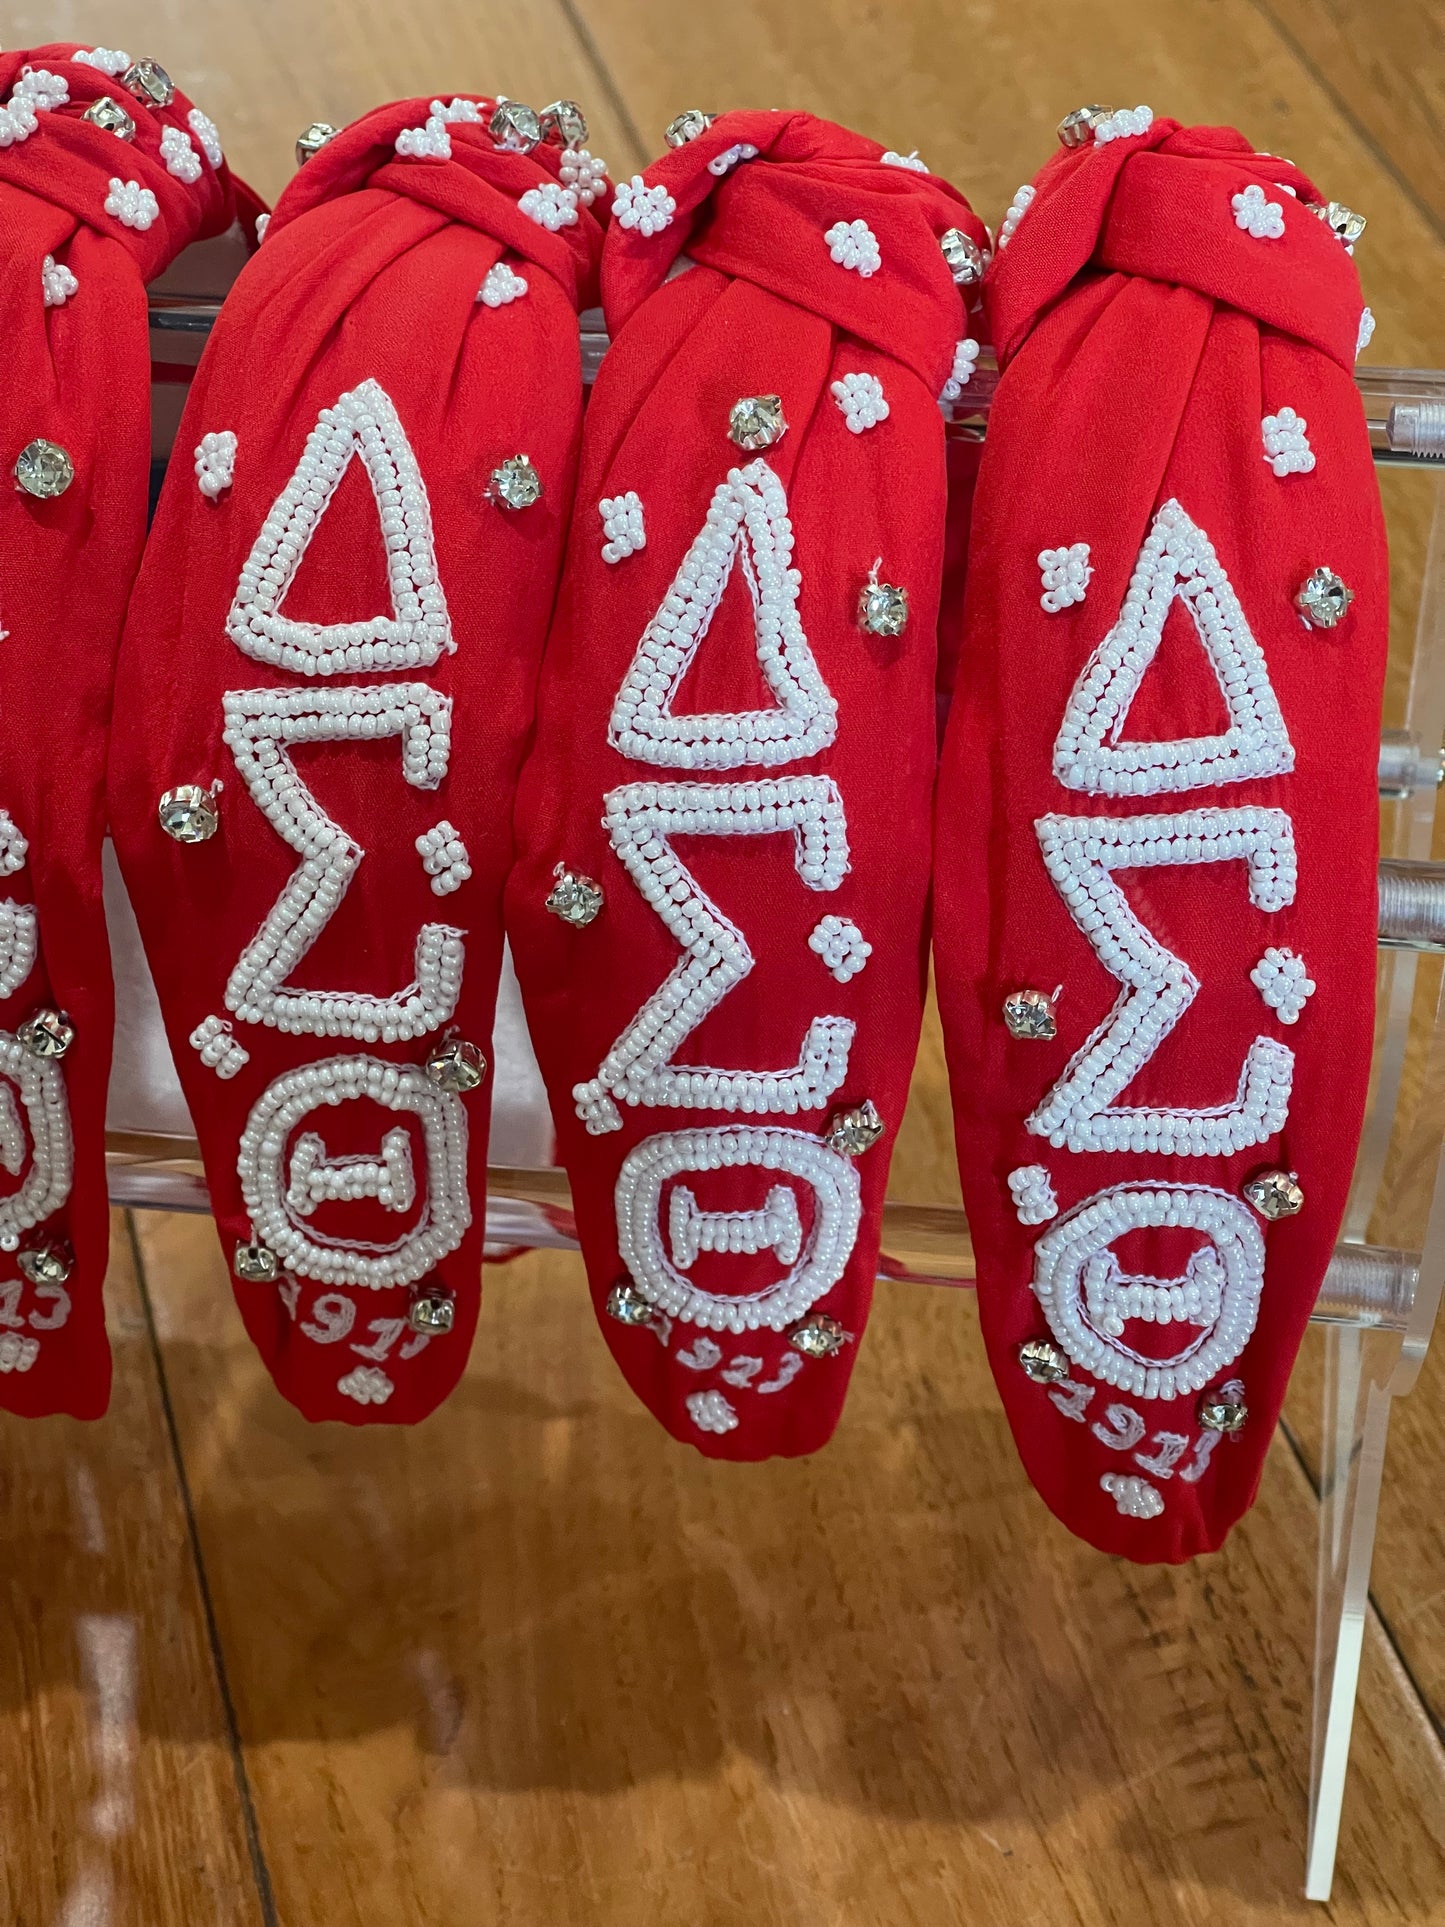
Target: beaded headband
x: 1157, y: 816
x: 718, y: 907
x: 324, y: 693
x: 106, y: 173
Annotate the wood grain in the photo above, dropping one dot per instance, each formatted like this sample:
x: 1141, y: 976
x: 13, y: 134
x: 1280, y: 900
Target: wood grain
x: 117, y: 1788
x: 533, y: 1662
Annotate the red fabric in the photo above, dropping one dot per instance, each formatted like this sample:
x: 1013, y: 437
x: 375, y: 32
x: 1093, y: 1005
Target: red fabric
x: 1143, y: 336
x: 77, y: 374
x: 764, y: 311
x: 370, y: 272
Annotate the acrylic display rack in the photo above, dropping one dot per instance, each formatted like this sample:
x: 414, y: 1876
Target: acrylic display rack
x: 1380, y: 1295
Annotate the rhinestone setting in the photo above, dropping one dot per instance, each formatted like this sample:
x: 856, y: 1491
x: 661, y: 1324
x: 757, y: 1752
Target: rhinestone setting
x: 150, y: 82
x: 757, y: 421
x: 852, y: 1132
x: 819, y: 1336
x: 48, y: 1034
x: 1030, y: 1014
x: 963, y: 256
x: 575, y: 899
x: 1323, y: 599
x: 1043, y: 1362
x: 1275, y: 1194
x: 456, y: 1066
x: 110, y: 117
x: 43, y: 469
x: 883, y: 609
x: 311, y: 140
x: 189, y: 814
x: 432, y: 1310
x: 514, y: 484
x: 256, y: 1264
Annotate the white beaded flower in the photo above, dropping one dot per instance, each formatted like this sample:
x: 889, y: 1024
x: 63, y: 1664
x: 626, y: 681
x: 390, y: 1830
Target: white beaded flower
x: 621, y: 525
x: 965, y: 360
x: 503, y: 284
x: 1257, y: 216
x: 107, y: 60
x: 444, y: 858
x: 18, y: 121
x: 215, y: 1042
x: 1065, y: 574
x: 1033, y: 1194
x: 57, y: 283
x: 216, y: 461
x: 367, y: 1385
x: 551, y: 207
x: 711, y: 1412
x: 17, y: 1353
x: 1018, y: 207
x: 454, y: 110
x: 648, y: 209
x: 1135, y: 1498
x: 853, y: 244
x: 1280, y: 979
x: 44, y: 91
x: 1285, y: 447
x: 862, y: 401
x: 180, y: 157
x: 841, y: 945
x: 208, y: 134
x: 584, y: 173
x: 131, y: 204
x: 263, y: 221
x: 1122, y: 123
x: 910, y: 161
x: 1367, y: 329
x: 430, y: 142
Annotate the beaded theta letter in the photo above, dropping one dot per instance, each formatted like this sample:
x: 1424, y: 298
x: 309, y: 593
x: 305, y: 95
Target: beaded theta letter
x: 89, y: 217
x: 361, y: 616
x: 735, y: 745
x: 1159, y: 793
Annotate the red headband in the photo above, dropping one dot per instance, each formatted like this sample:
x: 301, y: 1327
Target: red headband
x: 718, y: 908
x: 106, y: 173
x: 1159, y: 796
x: 325, y: 688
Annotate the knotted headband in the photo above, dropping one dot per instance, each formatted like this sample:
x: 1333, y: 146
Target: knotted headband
x: 718, y: 906
x: 324, y: 691
x: 106, y: 174
x: 1157, y: 818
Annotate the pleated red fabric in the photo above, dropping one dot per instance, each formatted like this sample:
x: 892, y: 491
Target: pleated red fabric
x: 718, y: 908
x: 332, y: 656
x: 1157, y: 820
x: 106, y: 174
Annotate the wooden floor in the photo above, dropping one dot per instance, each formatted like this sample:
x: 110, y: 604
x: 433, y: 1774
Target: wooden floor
x: 533, y: 1664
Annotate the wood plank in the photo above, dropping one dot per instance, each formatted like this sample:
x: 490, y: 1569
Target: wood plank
x: 533, y: 1662
x: 116, y: 1776
x: 265, y: 69
x: 1385, y: 66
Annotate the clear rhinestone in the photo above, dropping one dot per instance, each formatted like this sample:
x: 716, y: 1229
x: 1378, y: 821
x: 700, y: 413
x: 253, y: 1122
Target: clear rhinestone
x: 1323, y: 599
x: 566, y: 120
x: 256, y: 1264
x: 883, y: 609
x: 47, y: 1264
x: 575, y: 899
x: 1030, y: 1013
x: 627, y: 1305
x: 515, y: 484
x: 48, y: 1034
x: 1221, y: 1414
x: 44, y: 469
x: 111, y: 116
x: 757, y: 421
x: 1044, y: 1363
x: 851, y: 1133
x: 964, y: 257
x: 311, y: 140
x: 1343, y: 222
x: 1275, y: 1194
x: 1077, y: 129
x: 150, y: 82
x: 189, y: 814
x: 686, y: 127
x: 819, y: 1336
x: 456, y: 1066
x: 515, y: 126
x: 432, y: 1310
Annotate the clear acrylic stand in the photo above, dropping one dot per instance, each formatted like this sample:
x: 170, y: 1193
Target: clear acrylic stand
x: 1380, y: 1295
